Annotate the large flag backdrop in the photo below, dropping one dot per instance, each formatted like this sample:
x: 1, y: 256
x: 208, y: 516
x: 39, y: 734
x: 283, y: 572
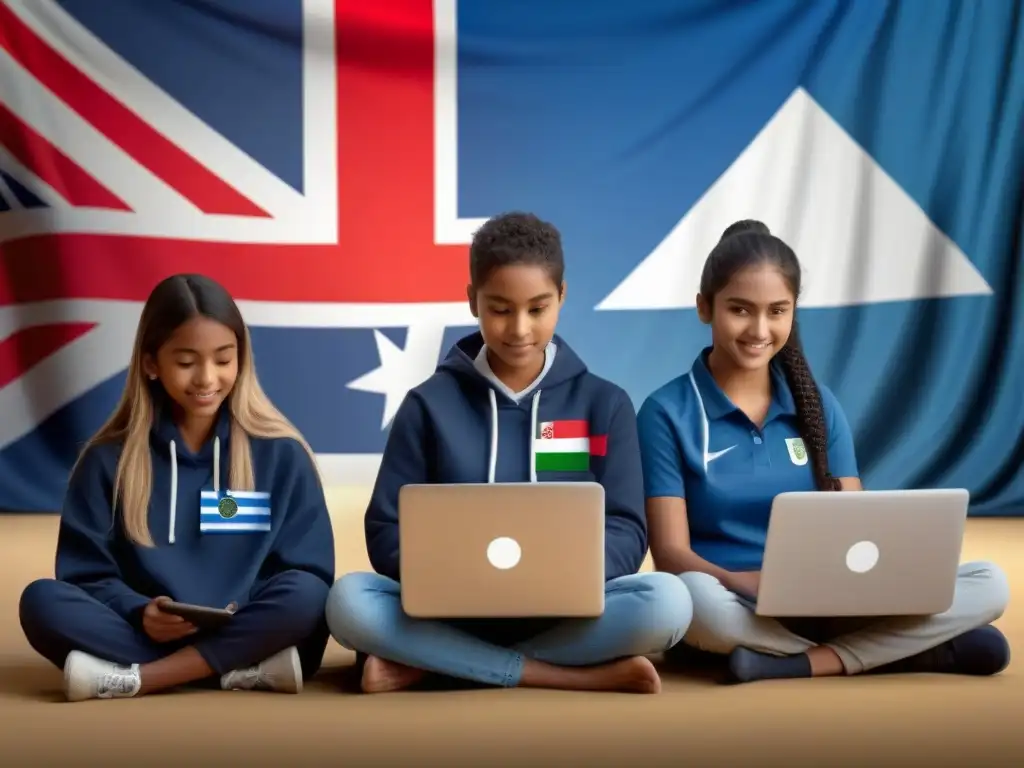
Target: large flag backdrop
x: 328, y: 160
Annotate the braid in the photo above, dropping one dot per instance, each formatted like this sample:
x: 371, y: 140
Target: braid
x: 809, y: 413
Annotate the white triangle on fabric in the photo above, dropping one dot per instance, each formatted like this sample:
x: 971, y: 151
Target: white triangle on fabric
x: 859, y: 236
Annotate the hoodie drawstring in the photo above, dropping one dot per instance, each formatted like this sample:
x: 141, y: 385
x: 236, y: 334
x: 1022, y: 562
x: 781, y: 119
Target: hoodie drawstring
x: 534, y: 408
x: 492, y: 464
x: 174, y: 494
x: 216, y: 465
x: 174, y: 483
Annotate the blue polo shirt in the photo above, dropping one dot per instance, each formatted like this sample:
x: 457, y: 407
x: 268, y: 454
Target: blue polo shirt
x: 698, y: 446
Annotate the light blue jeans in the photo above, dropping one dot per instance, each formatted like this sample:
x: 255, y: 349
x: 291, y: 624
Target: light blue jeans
x: 644, y: 613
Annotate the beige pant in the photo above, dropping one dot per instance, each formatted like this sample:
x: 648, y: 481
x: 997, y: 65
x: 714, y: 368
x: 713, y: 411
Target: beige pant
x: 721, y: 622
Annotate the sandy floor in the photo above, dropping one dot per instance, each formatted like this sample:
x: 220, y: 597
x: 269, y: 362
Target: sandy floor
x: 830, y: 722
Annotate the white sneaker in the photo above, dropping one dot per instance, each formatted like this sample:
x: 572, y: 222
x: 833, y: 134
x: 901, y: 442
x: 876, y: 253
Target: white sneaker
x: 281, y: 673
x: 86, y: 677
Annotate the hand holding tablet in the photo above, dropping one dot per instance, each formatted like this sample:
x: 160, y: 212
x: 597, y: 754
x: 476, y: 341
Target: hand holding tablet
x: 166, y: 620
x: 200, y: 616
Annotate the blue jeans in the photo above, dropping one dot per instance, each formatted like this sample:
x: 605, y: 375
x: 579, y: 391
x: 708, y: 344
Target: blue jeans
x: 644, y: 613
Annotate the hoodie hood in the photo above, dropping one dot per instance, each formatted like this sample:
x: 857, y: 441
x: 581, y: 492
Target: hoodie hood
x: 461, y: 363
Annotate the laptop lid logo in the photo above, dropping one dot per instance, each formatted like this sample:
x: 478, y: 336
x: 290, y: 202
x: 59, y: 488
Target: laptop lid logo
x: 862, y: 557
x: 504, y: 553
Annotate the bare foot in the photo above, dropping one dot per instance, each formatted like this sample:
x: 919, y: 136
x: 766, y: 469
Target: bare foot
x: 634, y: 675
x: 382, y: 676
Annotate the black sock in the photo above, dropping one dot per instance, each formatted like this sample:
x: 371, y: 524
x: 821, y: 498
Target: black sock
x: 980, y: 652
x: 746, y: 666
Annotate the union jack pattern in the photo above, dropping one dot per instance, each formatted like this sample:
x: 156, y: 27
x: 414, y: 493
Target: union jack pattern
x: 111, y: 184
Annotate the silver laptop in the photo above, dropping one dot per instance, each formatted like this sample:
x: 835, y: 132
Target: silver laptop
x: 502, y: 550
x: 862, y: 553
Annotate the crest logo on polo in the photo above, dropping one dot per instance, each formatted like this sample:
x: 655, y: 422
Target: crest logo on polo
x: 797, y: 450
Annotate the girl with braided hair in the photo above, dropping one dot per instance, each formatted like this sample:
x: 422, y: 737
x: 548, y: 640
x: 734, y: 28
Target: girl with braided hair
x: 747, y: 422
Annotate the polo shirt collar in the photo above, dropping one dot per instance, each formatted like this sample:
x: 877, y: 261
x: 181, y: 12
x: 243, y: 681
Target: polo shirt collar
x: 717, y: 404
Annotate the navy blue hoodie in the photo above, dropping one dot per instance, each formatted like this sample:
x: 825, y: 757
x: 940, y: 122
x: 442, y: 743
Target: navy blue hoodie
x: 457, y: 427
x: 206, y: 569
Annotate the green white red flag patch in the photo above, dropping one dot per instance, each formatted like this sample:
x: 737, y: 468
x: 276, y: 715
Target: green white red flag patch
x: 566, y: 446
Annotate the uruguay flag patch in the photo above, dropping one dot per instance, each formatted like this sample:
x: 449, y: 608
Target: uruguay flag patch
x: 234, y: 511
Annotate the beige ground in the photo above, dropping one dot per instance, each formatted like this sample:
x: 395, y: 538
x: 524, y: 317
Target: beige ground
x: 694, y: 722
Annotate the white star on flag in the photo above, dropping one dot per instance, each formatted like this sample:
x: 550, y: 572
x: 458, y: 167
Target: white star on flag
x: 401, y: 369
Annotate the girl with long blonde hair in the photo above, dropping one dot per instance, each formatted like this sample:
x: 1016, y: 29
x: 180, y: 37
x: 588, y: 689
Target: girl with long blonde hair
x: 154, y: 518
